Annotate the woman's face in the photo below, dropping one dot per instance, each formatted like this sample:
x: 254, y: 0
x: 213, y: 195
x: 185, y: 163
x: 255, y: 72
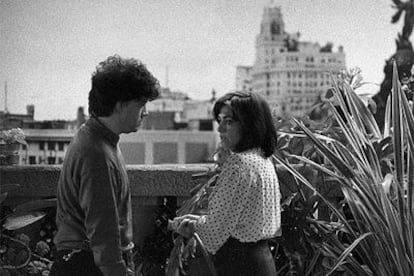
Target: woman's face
x: 229, y: 129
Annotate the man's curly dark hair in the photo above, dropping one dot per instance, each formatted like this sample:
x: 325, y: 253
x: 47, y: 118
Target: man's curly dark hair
x: 120, y: 79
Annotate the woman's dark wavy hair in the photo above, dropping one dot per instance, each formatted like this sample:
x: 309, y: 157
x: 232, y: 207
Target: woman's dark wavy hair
x: 253, y: 113
x: 120, y: 80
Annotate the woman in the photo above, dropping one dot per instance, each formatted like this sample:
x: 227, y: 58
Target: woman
x: 244, y: 207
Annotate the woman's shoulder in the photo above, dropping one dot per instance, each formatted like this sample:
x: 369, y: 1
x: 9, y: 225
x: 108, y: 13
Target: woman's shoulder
x: 247, y: 159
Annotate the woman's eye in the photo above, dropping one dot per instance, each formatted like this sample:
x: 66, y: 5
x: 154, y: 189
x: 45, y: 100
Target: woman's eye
x: 228, y: 121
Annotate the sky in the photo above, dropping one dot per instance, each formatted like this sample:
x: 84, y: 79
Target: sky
x: 50, y: 48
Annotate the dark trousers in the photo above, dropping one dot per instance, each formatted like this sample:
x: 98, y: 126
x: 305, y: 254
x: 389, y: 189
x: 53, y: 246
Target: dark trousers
x: 237, y: 258
x: 78, y: 264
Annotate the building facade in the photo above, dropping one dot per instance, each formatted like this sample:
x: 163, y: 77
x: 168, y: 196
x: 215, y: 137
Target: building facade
x: 45, y: 146
x: 244, y: 78
x: 290, y: 74
x: 177, y: 130
x: 49, y: 146
x: 176, y: 111
x: 11, y: 120
x: 168, y: 147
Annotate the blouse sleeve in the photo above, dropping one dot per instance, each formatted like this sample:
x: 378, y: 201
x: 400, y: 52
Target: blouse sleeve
x: 225, y: 207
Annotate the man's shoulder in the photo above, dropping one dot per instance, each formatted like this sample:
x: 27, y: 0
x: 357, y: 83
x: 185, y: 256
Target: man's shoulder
x: 86, y: 144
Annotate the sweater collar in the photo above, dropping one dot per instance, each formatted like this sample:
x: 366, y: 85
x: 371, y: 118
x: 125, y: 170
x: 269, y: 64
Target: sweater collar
x: 108, y: 134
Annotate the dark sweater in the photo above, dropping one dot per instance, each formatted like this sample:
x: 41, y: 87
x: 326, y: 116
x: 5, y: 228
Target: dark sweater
x: 94, y: 198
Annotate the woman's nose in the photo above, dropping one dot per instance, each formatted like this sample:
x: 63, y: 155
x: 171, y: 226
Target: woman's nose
x: 220, y: 127
x: 144, y: 112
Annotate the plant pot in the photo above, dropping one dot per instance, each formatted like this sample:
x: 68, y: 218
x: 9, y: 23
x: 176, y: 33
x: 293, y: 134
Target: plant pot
x: 9, y: 154
x: 6, y: 149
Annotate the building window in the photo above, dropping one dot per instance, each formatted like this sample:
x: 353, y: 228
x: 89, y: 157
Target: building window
x: 60, y: 160
x: 40, y: 160
x: 51, y: 145
x: 41, y: 145
x: 61, y: 146
x: 51, y: 160
x: 32, y: 160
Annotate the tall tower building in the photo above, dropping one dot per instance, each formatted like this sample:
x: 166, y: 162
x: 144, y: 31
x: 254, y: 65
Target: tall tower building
x: 291, y: 75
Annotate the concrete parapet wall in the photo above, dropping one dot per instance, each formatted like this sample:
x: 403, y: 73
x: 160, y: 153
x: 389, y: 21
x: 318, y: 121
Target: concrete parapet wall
x: 149, y: 184
x: 146, y: 180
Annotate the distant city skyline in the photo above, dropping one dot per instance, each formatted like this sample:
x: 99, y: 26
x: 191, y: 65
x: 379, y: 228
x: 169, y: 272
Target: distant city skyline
x: 50, y: 48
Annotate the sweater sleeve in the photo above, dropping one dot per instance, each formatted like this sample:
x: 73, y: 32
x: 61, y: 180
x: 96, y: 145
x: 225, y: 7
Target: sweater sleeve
x: 98, y: 199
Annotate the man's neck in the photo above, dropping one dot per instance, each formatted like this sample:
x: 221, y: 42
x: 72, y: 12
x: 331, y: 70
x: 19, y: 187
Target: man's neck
x: 111, y: 123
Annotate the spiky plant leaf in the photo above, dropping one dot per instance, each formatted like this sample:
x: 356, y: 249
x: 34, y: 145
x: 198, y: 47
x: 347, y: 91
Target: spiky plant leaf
x: 3, y: 197
x: 35, y: 205
x: 346, y: 253
x: 17, y: 222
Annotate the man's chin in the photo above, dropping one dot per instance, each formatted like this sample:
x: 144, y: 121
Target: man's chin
x: 132, y: 130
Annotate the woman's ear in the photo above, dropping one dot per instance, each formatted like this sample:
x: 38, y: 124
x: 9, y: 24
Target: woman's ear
x: 118, y: 107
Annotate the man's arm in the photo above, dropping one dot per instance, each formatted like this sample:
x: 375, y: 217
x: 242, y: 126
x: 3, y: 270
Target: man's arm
x: 98, y: 200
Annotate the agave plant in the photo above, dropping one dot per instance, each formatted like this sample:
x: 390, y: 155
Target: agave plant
x: 306, y: 225
x: 375, y: 171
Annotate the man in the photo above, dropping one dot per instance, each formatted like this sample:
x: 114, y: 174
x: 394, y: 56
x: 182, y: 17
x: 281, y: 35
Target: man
x: 93, y: 194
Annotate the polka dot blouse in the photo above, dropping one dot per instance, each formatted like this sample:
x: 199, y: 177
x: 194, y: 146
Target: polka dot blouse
x: 245, y: 203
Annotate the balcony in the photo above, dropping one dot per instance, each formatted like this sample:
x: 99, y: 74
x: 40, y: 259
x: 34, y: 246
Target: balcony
x: 150, y: 184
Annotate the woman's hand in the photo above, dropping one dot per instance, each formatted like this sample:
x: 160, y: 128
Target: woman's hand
x: 186, y: 228
x: 176, y: 222
x: 191, y: 217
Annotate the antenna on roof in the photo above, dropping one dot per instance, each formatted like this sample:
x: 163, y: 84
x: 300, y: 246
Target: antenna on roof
x: 5, y: 97
x: 166, y: 77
